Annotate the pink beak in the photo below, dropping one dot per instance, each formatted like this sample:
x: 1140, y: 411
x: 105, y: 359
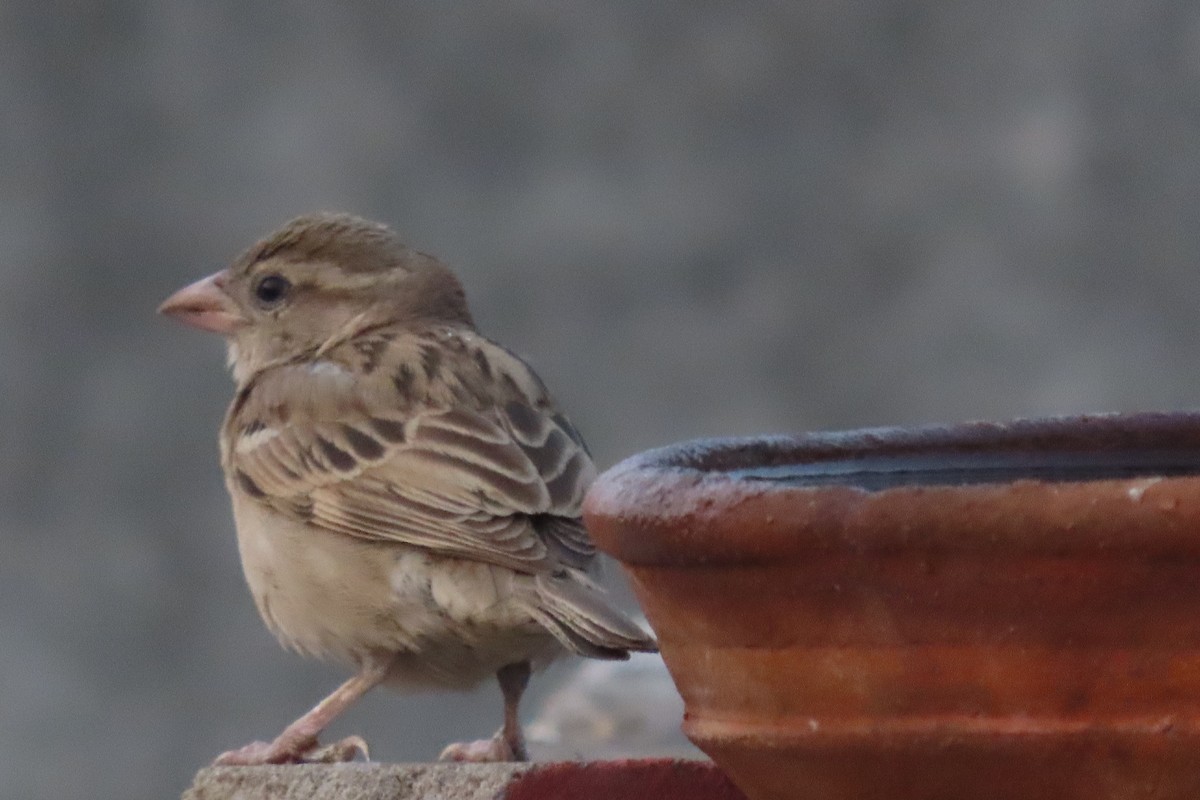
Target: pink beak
x: 205, y: 305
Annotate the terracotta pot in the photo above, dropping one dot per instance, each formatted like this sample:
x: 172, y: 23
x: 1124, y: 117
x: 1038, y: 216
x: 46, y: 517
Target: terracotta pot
x: 978, y: 611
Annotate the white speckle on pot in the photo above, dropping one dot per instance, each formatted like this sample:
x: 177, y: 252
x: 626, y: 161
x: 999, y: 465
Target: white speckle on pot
x: 1137, y: 490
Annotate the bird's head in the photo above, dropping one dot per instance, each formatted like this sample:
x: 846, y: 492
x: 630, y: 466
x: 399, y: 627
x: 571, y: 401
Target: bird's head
x: 318, y: 280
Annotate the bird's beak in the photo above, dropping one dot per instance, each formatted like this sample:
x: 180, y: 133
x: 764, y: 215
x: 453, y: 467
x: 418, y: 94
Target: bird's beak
x: 205, y: 305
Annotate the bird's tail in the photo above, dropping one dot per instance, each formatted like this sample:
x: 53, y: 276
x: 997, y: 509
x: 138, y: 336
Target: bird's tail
x: 580, y: 616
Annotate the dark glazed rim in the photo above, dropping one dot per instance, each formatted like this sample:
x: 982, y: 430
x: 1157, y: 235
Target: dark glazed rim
x: 1056, y: 449
x: 1101, y: 484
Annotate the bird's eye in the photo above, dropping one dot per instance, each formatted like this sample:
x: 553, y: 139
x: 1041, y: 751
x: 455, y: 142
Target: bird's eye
x: 271, y: 289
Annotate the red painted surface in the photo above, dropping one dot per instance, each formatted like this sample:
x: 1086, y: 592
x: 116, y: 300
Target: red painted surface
x: 660, y: 779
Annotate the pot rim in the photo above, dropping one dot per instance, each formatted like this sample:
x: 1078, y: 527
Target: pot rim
x: 1129, y: 480
x: 1150, y: 437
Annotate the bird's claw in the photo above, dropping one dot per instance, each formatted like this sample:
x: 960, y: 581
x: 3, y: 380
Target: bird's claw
x: 484, y: 751
x: 340, y: 752
x: 295, y: 751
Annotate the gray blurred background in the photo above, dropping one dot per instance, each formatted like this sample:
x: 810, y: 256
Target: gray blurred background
x: 694, y: 219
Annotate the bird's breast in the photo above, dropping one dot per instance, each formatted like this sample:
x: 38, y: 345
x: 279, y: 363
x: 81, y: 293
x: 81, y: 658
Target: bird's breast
x: 451, y: 621
x: 325, y: 594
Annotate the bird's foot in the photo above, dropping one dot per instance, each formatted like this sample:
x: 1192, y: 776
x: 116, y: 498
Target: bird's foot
x: 485, y: 751
x: 341, y: 751
x: 289, y: 750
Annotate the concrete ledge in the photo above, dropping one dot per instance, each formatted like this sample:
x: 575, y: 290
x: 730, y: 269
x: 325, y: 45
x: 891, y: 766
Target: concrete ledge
x: 661, y: 779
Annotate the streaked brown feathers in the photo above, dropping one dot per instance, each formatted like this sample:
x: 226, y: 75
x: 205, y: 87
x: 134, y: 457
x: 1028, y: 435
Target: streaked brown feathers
x: 497, y: 481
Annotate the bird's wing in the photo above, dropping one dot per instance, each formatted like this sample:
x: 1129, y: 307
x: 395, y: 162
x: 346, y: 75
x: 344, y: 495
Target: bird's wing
x: 500, y: 482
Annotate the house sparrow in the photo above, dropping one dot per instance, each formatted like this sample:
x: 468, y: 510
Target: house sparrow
x: 406, y: 494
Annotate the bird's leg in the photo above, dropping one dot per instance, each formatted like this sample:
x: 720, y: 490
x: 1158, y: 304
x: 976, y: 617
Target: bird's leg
x: 513, y: 680
x: 298, y: 741
x: 509, y: 743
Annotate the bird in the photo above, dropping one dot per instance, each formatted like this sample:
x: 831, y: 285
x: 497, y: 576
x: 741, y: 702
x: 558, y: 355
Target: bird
x: 406, y: 493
